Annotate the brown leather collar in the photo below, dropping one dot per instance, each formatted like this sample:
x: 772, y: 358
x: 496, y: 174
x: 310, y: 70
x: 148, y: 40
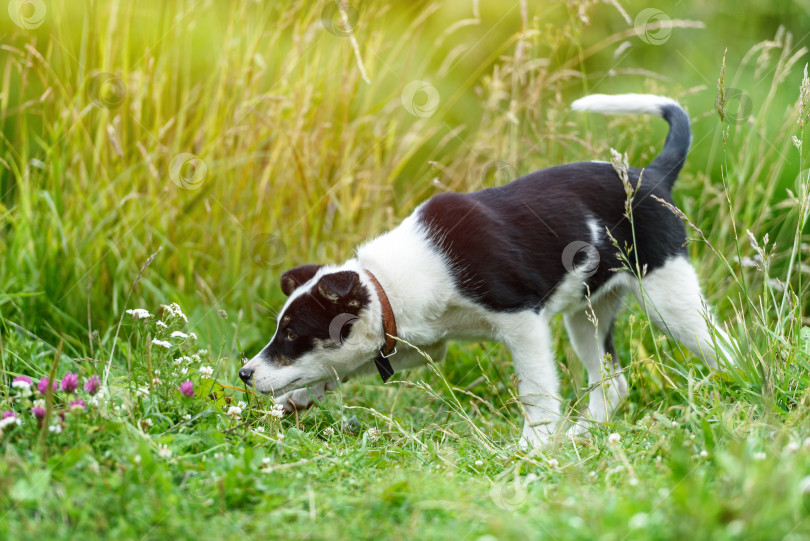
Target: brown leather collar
x: 389, y: 323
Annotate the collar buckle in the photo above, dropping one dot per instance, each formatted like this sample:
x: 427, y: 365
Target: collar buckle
x: 389, y: 325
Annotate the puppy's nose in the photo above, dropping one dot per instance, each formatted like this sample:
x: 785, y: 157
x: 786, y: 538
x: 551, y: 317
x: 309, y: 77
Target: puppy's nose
x: 247, y: 375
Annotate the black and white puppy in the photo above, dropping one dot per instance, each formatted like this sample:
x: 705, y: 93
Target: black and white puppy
x: 498, y: 264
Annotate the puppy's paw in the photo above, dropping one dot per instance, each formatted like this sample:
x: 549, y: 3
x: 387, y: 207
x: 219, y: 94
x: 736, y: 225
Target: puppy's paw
x: 302, y: 399
x: 535, y: 437
x: 581, y: 428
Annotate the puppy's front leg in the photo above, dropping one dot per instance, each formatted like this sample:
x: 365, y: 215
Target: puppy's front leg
x: 301, y: 399
x: 527, y: 336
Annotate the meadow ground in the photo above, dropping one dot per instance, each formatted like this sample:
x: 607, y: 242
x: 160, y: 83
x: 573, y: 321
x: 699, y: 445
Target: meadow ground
x: 188, y: 152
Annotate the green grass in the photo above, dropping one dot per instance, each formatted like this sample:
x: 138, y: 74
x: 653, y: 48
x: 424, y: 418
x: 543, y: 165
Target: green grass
x: 304, y: 159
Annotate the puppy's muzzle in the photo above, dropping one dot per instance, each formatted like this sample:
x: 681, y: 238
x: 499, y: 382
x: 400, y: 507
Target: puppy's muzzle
x: 246, y: 375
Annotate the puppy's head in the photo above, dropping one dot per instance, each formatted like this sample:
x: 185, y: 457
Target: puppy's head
x: 327, y: 328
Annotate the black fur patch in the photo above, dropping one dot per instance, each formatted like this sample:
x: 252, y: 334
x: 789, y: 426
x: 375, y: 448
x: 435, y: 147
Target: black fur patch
x: 506, y: 243
x: 295, y: 278
x: 309, y: 319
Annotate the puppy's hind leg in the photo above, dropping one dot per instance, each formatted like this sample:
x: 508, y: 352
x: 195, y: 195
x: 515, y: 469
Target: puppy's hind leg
x: 528, y: 338
x: 591, y: 334
x: 671, y: 296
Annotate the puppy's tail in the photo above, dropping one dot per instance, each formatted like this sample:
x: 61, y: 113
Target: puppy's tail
x: 669, y: 162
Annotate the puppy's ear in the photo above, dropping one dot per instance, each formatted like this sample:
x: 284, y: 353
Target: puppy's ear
x: 294, y: 278
x: 339, y: 287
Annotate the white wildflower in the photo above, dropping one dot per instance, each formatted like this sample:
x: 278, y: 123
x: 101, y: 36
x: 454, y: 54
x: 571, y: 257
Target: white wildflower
x: 704, y: 453
x: 179, y: 334
x: 195, y: 358
x: 479, y: 463
x: 206, y: 372
x: 792, y: 447
x: 328, y: 431
x: 760, y: 456
x: 202, y: 351
x: 266, y: 461
x: 142, y: 391
x: 162, y: 325
x: 137, y: 459
x: 21, y: 384
x: 373, y: 434
x: 161, y: 343
x: 56, y: 429
x: 164, y: 451
x: 147, y: 422
x: 242, y: 404
x: 797, y: 142
x: 184, y: 370
x: 235, y: 412
x: 553, y: 463
x: 192, y: 335
x: 139, y: 313
x: 259, y: 429
x: 638, y: 521
x: 40, y: 403
x: 8, y: 421
x: 614, y: 438
x: 277, y: 411
x: 173, y: 310
x: 187, y: 417
x: 156, y: 382
x: 280, y: 436
x: 633, y: 481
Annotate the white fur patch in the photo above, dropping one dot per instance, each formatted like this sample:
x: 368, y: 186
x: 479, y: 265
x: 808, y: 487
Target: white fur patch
x: 623, y: 104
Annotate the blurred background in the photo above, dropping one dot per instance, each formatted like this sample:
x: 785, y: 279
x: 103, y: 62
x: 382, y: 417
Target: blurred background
x: 241, y: 138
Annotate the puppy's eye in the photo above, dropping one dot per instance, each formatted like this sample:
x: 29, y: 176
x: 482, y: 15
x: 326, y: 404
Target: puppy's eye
x: 290, y: 334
